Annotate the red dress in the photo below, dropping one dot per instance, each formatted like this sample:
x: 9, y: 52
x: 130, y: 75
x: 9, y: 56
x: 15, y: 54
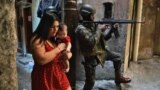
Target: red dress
x: 50, y: 76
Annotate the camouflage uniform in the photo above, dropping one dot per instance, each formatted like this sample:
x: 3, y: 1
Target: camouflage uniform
x: 94, y: 51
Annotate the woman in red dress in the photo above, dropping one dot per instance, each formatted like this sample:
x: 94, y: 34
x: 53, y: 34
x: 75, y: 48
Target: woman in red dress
x: 48, y: 72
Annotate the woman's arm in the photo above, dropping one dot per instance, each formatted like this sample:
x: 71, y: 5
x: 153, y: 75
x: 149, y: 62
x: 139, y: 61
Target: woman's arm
x: 42, y: 57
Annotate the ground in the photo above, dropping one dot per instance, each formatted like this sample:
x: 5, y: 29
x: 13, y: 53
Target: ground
x: 145, y: 75
x: 24, y: 68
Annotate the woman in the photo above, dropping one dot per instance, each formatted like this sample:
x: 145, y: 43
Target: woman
x: 48, y: 72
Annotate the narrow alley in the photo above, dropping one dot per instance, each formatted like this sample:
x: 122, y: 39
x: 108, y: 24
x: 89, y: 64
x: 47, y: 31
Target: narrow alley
x: 145, y: 75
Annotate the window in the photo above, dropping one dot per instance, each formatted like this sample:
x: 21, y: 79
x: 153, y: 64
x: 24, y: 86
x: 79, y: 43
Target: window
x: 107, y: 10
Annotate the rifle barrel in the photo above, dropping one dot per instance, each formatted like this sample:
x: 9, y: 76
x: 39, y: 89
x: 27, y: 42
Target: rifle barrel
x: 114, y: 21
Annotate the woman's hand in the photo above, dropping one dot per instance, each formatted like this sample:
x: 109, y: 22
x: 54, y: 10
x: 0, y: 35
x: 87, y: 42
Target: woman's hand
x: 61, y: 46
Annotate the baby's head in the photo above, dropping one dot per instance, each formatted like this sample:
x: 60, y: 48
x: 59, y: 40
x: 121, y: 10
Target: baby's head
x: 62, y: 32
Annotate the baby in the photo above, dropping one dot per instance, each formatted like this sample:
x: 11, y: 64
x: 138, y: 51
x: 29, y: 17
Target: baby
x: 64, y: 38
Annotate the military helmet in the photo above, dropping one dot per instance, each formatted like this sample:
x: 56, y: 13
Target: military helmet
x: 86, y: 10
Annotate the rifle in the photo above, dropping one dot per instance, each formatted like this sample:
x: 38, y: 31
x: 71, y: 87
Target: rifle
x: 112, y: 22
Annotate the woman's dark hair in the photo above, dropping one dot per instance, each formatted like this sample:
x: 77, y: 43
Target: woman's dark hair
x: 44, y: 26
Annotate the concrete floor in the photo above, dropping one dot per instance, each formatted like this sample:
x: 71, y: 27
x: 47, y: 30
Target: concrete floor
x: 24, y: 69
x: 145, y: 75
x: 23, y: 78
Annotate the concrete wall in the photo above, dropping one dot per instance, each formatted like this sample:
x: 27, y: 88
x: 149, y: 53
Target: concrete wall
x: 8, y: 46
x: 157, y: 30
x: 118, y: 45
x: 148, y: 30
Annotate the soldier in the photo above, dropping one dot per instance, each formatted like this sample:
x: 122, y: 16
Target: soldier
x: 93, y: 48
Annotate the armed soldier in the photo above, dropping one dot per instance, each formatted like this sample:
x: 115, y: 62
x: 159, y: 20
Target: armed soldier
x: 93, y: 48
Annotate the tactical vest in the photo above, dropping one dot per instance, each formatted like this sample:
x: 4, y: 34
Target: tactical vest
x: 93, y: 46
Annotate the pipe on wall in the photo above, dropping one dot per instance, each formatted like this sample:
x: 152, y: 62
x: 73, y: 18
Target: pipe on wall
x: 137, y: 31
x: 128, y: 47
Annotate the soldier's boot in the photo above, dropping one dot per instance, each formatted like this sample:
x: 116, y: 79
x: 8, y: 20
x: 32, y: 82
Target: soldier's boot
x: 119, y: 78
x: 88, y: 85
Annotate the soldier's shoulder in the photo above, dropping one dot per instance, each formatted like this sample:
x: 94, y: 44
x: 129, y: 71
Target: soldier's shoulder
x: 80, y: 26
